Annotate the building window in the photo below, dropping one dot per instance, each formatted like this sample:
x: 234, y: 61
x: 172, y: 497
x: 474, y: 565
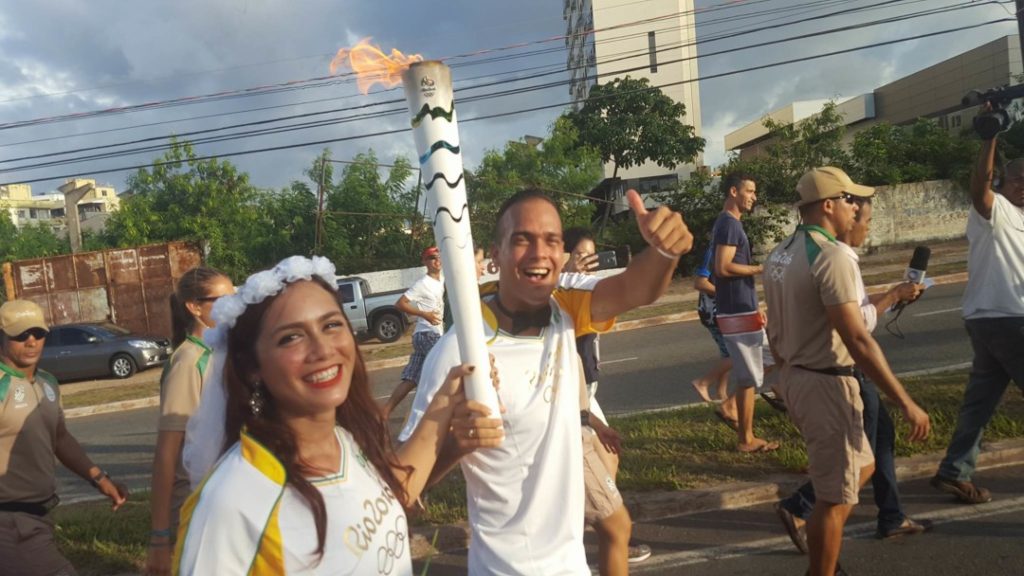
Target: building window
x: 956, y: 121
x: 652, y: 49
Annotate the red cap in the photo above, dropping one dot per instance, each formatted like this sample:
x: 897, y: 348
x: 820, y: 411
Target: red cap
x: 428, y: 252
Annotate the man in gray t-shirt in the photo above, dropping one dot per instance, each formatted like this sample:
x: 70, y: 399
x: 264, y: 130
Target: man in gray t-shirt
x: 739, y: 318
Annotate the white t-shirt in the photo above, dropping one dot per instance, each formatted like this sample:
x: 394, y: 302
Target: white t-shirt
x: 867, y: 309
x: 427, y: 294
x: 243, y: 519
x: 995, y: 262
x: 525, y: 497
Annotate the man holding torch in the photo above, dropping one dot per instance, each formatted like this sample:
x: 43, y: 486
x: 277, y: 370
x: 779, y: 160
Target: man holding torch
x: 526, y: 497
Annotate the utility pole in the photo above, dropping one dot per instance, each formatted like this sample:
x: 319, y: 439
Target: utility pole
x: 1020, y: 25
x: 318, y: 231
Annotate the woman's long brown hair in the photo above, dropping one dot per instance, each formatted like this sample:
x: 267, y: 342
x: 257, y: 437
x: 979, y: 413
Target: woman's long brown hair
x: 359, y: 414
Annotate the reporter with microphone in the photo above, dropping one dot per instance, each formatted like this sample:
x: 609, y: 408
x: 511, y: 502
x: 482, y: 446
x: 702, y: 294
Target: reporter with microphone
x: 993, y: 309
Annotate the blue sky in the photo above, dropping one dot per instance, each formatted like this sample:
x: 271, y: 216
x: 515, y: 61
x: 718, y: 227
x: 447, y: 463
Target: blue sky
x: 69, y: 56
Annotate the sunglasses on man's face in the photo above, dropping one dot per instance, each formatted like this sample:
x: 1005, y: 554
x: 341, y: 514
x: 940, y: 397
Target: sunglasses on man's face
x: 37, y: 333
x: 845, y: 197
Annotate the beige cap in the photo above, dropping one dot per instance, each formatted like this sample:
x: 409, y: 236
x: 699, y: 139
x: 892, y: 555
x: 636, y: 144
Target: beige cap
x: 16, y: 316
x: 828, y: 182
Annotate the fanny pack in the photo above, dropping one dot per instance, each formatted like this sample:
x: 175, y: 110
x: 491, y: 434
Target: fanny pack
x: 34, y: 508
x: 741, y: 323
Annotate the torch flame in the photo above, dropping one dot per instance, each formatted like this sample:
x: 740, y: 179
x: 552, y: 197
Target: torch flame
x: 371, y: 65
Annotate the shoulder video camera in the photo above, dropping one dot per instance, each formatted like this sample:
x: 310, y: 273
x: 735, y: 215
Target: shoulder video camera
x: 990, y: 123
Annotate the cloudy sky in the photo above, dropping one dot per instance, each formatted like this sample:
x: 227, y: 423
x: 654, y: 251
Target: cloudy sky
x: 61, y: 58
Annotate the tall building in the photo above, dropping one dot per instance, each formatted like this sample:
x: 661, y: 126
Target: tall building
x: 607, y: 39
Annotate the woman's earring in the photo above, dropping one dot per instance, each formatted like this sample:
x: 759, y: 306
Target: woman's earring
x: 257, y: 399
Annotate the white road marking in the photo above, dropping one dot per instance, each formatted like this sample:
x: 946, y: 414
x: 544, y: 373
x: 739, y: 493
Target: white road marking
x: 604, y: 362
x: 934, y: 312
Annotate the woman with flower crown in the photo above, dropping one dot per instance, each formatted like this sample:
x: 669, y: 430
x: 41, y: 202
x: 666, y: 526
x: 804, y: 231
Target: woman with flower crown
x: 295, y: 467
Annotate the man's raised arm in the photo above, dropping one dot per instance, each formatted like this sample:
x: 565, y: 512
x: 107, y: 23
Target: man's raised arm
x: 648, y: 275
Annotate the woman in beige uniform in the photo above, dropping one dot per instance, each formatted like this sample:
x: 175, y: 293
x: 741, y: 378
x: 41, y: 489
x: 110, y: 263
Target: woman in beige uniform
x: 180, y: 387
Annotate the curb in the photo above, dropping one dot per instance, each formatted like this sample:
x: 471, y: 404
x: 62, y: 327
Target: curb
x: 650, y: 506
x: 112, y: 407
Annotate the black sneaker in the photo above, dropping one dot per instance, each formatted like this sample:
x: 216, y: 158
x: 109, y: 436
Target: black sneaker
x: 773, y: 400
x: 966, y: 492
x: 638, y: 553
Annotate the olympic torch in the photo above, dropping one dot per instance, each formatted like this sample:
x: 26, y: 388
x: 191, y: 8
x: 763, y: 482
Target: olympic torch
x: 435, y: 128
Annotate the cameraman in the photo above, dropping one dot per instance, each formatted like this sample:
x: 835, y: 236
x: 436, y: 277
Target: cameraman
x: 993, y: 308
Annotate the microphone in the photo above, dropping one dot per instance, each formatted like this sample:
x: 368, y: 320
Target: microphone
x: 918, y: 265
x: 916, y: 271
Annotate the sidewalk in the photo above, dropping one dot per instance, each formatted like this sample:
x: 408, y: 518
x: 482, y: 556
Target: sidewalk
x: 688, y: 527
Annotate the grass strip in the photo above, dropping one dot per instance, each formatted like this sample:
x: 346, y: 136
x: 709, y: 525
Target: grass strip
x: 98, y: 541
x: 112, y: 394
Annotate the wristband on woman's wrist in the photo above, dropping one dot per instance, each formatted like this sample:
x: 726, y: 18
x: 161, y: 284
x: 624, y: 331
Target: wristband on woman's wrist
x: 165, y: 533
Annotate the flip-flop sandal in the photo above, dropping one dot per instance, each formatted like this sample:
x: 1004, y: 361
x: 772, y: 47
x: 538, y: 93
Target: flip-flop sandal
x: 731, y: 423
x: 766, y: 447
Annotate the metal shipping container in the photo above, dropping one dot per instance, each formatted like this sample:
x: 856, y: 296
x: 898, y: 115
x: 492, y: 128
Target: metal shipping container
x: 127, y: 286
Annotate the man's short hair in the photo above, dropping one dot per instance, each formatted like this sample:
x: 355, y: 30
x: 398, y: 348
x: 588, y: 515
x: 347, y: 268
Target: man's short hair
x: 734, y: 180
x: 523, y: 195
x: 1012, y: 169
x: 573, y: 236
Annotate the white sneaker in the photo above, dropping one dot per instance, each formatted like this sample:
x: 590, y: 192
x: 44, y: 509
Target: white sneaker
x: 639, y: 553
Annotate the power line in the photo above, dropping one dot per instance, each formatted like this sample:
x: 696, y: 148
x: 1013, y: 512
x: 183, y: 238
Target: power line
x: 379, y: 114
x: 532, y: 109
x: 323, y: 81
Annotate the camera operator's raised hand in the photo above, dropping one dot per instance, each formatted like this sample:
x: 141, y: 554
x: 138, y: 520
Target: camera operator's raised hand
x: 982, y: 196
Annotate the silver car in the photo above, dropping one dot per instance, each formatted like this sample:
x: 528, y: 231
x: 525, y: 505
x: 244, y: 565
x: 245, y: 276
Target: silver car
x: 76, y: 351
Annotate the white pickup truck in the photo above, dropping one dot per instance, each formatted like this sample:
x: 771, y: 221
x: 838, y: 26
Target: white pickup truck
x: 372, y: 315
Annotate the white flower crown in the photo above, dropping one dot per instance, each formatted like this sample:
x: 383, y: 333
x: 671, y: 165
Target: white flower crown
x: 261, y: 286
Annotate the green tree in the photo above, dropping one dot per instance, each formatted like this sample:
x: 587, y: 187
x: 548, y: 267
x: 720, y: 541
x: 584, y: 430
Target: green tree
x: 629, y: 122
x: 205, y: 201
x: 560, y: 166
x: 369, y: 216
x: 885, y: 154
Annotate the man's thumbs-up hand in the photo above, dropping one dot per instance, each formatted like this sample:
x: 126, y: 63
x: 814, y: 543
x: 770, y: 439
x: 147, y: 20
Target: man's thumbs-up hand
x: 661, y: 228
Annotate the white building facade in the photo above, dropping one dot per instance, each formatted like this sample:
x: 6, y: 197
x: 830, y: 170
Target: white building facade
x: 608, y: 39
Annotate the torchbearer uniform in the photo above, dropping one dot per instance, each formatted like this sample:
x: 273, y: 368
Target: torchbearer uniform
x: 526, y: 496
x: 30, y: 412
x: 805, y: 273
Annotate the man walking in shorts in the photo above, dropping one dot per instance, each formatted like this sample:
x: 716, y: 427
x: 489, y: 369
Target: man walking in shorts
x: 817, y: 333
x: 425, y: 301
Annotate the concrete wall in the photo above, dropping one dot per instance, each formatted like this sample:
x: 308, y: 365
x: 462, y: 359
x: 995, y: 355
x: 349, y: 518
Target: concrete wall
x: 914, y: 213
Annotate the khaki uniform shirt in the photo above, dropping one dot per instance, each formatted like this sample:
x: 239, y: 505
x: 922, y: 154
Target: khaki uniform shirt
x: 181, y: 386
x: 805, y: 273
x: 30, y: 412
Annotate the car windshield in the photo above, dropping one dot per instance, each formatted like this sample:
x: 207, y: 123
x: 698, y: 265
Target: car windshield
x: 110, y: 330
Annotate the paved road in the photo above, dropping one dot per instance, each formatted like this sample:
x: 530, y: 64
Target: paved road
x: 652, y: 367
x: 644, y: 369
x: 751, y: 542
